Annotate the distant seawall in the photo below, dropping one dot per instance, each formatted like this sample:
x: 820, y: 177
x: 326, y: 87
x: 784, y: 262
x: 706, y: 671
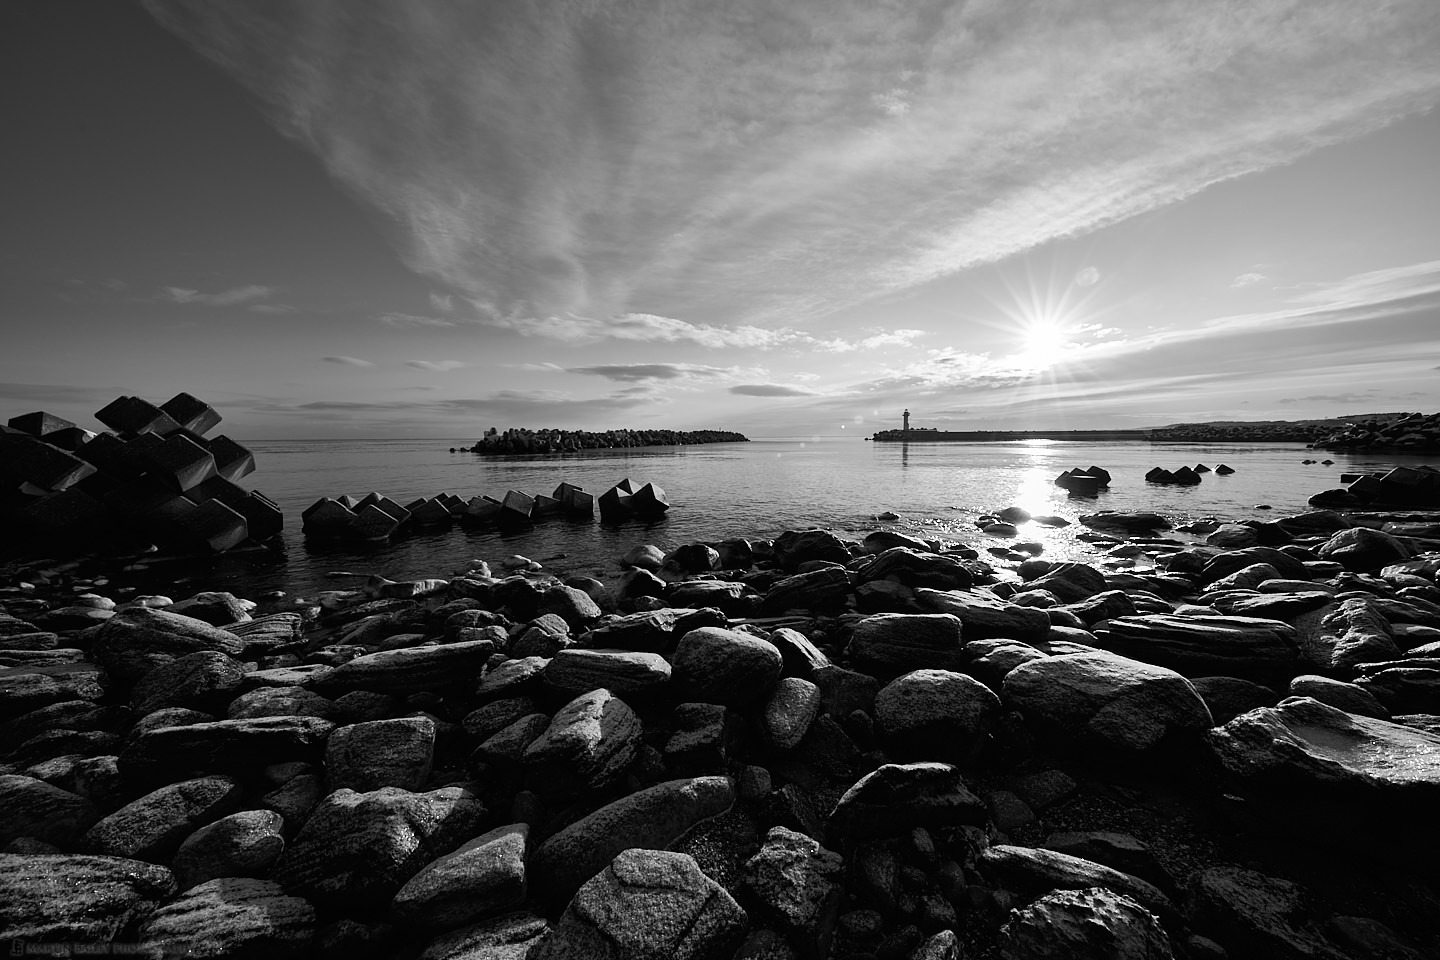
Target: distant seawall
x: 981, y: 436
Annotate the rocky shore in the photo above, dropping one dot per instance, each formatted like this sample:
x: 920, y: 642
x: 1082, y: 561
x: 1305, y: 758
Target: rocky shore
x: 1220, y: 741
x: 521, y: 440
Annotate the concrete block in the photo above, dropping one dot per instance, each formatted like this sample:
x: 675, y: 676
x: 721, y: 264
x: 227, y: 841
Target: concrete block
x: 327, y: 517
x: 182, y: 463
x: 40, y: 423
x: 132, y: 415
x: 190, y: 413
x: 373, y: 523
x: 113, y: 456
x: 214, y: 526
x: 69, y: 438
x: 69, y: 515
x: 232, y: 461
x: 262, y: 515
x: 24, y: 459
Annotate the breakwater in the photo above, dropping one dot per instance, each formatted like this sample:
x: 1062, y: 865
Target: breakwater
x: 924, y: 435
x: 522, y: 440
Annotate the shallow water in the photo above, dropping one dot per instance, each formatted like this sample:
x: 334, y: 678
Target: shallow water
x: 755, y: 489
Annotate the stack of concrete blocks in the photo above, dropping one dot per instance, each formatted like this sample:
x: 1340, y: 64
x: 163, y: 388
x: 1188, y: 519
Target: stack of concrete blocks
x: 371, y: 517
x: 155, y: 480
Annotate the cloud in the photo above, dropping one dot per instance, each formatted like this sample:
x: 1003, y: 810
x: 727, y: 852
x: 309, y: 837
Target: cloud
x: 273, y: 309
x: 348, y: 361
x: 435, y: 366
x: 1248, y: 280
x: 770, y: 390
x: 745, y: 167
x: 402, y: 320
x: 225, y: 298
x: 634, y: 372
x: 442, y: 302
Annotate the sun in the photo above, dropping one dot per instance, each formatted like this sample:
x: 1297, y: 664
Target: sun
x: 1043, y: 340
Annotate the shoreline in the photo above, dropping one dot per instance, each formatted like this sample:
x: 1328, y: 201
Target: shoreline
x: 734, y: 702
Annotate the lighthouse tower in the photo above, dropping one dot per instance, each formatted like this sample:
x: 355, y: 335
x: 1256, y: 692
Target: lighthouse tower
x: 907, y: 421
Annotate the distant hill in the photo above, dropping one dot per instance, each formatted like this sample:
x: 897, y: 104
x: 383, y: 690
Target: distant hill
x: 1334, y: 423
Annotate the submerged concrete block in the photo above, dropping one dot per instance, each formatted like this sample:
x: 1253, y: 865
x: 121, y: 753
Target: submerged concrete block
x: 327, y: 517
x: 373, y: 523
x: 214, y: 526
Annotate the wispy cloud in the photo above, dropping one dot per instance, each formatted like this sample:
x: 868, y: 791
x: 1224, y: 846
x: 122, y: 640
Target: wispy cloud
x: 770, y: 390
x: 402, y: 320
x: 1248, y: 280
x: 224, y: 298
x: 435, y: 366
x: 348, y: 361
x: 745, y: 167
x: 633, y: 372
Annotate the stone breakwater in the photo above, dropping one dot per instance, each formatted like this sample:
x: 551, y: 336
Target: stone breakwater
x: 1408, y: 433
x: 521, y: 440
x: 800, y: 748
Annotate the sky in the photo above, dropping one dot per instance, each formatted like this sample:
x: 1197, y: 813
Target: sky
x: 415, y: 218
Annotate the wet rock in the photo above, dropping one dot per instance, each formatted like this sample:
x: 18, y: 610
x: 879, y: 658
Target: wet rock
x: 1207, y: 646
x: 800, y: 657
x: 1343, y: 696
x: 1410, y: 686
x: 824, y: 590
x: 652, y: 818
x: 795, y: 881
x: 153, y: 827
x: 700, y: 739
x: 732, y: 597
x: 42, y: 811
x: 216, y: 607
x: 488, y: 720
x: 794, y: 547
x: 895, y: 798
x: 1071, y: 582
x: 1106, y: 702
x: 985, y: 615
x: 239, y: 917
x: 716, y: 665
x: 936, y: 715
x: 357, y: 849
x: 411, y: 669
x: 509, y: 745
x: 76, y: 898
x: 1224, y: 564
x: 27, y: 688
x: 894, y: 643
x: 647, y: 905
x: 381, y: 753
x: 588, y: 745
x: 917, y: 567
x: 624, y: 673
x: 243, y: 844
x: 1307, y: 765
x: 1092, y: 923
x: 570, y: 604
x: 1252, y: 914
x: 1119, y: 851
x: 515, y: 677
x: 484, y: 876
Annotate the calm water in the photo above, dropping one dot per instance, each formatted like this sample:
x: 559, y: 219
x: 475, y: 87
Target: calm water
x: 755, y: 489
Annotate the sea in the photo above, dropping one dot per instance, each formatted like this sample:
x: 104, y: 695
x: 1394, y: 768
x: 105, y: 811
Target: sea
x: 756, y: 489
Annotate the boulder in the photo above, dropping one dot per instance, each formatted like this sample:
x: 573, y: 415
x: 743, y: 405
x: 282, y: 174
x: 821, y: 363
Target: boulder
x: 1032, y: 871
x: 893, y: 643
x: 204, y: 681
x: 788, y: 713
x: 153, y: 827
x: 794, y: 547
x: 244, y: 844
x: 286, y: 701
x: 895, y: 798
x: 1363, y: 550
x: 588, y: 744
x: 1070, y: 582
x: 651, y: 818
x: 76, y: 898
x: 916, y: 566
x: 167, y: 753
x: 1339, y: 637
x: 1349, y: 697
x: 381, y: 753
x: 716, y: 665
x: 626, y: 673
x: 795, y: 881
x: 1228, y: 697
x: 1105, y: 702
x: 1207, y: 645
x: 508, y: 937
x: 1091, y: 923
x: 825, y: 590
x: 42, y: 811
x: 412, y: 669
x: 936, y: 715
x: 985, y: 615
x: 138, y: 639
x: 1306, y: 766
x: 647, y: 905
x: 1254, y: 915
x: 358, y: 849
x: 483, y: 877
x: 233, y: 917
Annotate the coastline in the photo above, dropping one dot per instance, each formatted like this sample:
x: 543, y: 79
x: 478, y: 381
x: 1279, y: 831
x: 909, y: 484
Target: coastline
x: 527, y: 712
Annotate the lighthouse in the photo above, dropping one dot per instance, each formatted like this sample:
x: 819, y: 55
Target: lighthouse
x: 907, y: 421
